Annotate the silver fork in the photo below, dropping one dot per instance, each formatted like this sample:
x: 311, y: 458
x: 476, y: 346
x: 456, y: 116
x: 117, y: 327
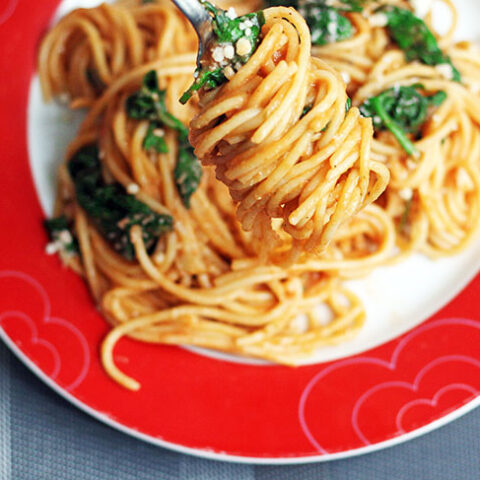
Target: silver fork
x: 200, y: 20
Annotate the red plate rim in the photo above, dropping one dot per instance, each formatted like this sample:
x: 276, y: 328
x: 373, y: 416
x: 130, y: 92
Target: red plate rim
x: 220, y: 410
x: 468, y: 407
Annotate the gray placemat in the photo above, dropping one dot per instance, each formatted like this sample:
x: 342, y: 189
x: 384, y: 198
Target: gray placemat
x: 43, y: 437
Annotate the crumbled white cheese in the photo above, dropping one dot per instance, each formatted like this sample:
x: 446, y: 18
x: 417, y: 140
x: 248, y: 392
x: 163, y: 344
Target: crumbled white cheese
x: 445, y: 70
x: 229, y: 72
x: 159, y: 132
x: 218, y: 55
x: 159, y: 257
x: 62, y: 239
x: 346, y: 77
x: 421, y: 7
x: 406, y: 194
x: 231, y: 13
x: 65, y: 237
x: 378, y: 20
x: 411, y: 164
x: 248, y: 31
x: 53, y: 247
x: 474, y: 88
x: 314, y: 11
x: 243, y: 47
x: 332, y: 29
x: 133, y: 188
x: 316, y: 34
x: 228, y: 52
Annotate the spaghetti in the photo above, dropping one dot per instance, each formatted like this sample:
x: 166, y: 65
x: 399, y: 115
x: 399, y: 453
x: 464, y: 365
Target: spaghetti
x: 312, y: 171
x: 206, y: 281
x: 90, y: 47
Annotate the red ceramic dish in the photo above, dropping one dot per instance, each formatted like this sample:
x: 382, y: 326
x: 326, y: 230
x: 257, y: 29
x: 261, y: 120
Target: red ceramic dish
x: 191, y: 402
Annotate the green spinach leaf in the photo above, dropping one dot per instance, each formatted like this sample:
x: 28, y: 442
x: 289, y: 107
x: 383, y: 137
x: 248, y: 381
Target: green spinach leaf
x: 401, y: 110
x: 149, y: 103
x: 414, y: 37
x: 228, y: 31
x: 111, y: 209
x: 187, y: 173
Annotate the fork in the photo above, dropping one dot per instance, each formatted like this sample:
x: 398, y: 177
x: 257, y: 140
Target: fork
x: 200, y: 20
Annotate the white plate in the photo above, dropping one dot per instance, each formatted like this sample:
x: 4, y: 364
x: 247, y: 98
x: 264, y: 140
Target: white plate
x: 397, y: 298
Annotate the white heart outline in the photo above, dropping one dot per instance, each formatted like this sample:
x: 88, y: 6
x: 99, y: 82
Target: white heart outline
x: 390, y: 365
x: 432, y: 402
x: 414, y: 387
x: 48, y: 319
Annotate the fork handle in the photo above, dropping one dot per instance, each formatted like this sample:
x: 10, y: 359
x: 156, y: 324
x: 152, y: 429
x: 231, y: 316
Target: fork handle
x: 198, y: 17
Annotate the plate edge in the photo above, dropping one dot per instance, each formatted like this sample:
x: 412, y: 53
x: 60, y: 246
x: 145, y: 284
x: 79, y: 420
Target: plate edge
x: 198, y: 452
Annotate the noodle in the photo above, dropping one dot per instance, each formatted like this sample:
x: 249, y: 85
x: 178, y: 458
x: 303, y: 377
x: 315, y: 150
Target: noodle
x: 90, y: 47
x: 312, y: 172
x: 257, y: 268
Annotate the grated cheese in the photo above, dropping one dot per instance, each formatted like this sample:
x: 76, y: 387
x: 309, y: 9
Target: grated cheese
x: 445, y: 70
x: 53, y: 247
x: 411, y: 165
x: 243, y: 47
x: 65, y: 237
x: 229, y: 72
x: 133, y: 188
x: 421, y: 7
x: 228, y: 51
x: 218, y: 54
x: 406, y: 194
x: 231, y: 13
x: 346, y: 77
x: 378, y: 20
